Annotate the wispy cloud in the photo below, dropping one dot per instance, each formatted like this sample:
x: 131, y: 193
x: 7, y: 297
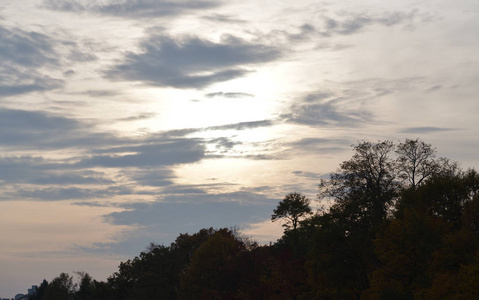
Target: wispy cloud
x: 321, y: 111
x: 351, y: 23
x: 424, y: 130
x: 22, y: 54
x: 243, y: 125
x: 228, y: 95
x: 132, y: 8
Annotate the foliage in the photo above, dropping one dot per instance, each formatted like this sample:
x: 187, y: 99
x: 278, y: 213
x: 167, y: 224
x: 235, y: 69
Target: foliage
x: 293, y: 207
x: 400, y: 224
x: 61, y: 287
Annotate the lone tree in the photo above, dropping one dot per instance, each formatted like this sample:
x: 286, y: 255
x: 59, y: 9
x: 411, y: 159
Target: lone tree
x: 291, y: 208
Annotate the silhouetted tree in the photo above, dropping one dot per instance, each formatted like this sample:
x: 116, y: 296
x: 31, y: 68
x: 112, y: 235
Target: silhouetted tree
x: 416, y: 161
x: 364, y: 188
x: 292, y: 208
x: 61, y: 287
x: 401, y: 224
x: 217, y: 269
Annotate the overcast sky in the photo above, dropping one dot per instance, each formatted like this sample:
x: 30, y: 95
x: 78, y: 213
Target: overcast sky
x: 125, y: 122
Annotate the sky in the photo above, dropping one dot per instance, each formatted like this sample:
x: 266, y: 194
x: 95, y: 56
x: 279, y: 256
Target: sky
x: 125, y: 122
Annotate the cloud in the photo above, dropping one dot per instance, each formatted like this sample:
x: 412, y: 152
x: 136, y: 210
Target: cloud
x: 424, y: 130
x: 14, y: 82
x: 243, y: 125
x: 186, y: 209
x: 221, y: 18
x: 149, y: 153
x: 228, y: 95
x: 100, y: 93
x: 24, y: 48
x: 306, y: 31
x: 32, y: 128
x: 309, y: 175
x: 143, y: 116
x: 235, y: 126
x: 320, y: 111
x: 349, y: 104
x: 224, y: 143
x: 157, y: 177
x: 26, y: 55
x: 351, y: 23
x: 321, y: 145
x: 22, y: 53
x: 38, y: 171
x: 132, y: 8
x: 59, y: 194
x: 191, y: 62
x: 198, y: 214
x: 40, y: 130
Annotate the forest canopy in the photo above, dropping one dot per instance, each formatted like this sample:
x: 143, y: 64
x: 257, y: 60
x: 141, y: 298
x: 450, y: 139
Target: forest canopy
x: 397, y: 222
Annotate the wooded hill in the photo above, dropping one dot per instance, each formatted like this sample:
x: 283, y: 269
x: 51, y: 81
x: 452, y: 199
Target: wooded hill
x: 397, y: 223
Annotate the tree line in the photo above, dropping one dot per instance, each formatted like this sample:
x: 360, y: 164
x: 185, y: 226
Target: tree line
x: 397, y: 222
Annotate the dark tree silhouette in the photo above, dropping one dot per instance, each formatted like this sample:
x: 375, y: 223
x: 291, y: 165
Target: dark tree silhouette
x: 364, y: 187
x: 293, y: 207
x: 417, y: 162
x: 401, y: 224
x: 61, y: 287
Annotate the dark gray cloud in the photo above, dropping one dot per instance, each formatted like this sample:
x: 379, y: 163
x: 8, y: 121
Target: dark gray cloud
x: 199, y: 214
x: 38, y: 171
x: 243, y: 125
x: 175, y: 133
x: 26, y: 48
x: 147, y: 214
x: 59, y: 194
x: 424, y: 130
x: 132, y: 8
x: 158, y: 177
x: 228, y: 95
x: 21, y: 129
x: 22, y: 53
x: 16, y: 82
x: 32, y: 128
x: 184, y: 189
x: 26, y: 54
x: 191, y: 62
x: 148, y: 154
x: 310, y: 175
